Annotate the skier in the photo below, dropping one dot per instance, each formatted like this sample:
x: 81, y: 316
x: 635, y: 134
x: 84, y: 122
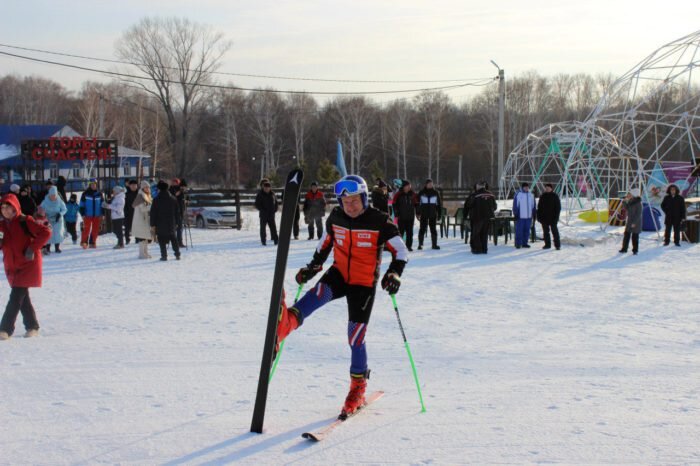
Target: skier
x: 429, y: 212
x: 524, y: 209
x: 358, y: 234
x: 405, y: 203
x: 673, y: 206
x: 548, y: 210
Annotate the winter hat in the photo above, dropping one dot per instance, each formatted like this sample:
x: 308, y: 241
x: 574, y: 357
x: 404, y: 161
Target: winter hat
x: 480, y: 185
x: 313, y: 183
x: 144, y: 184
x: 13, y: 201
x: 382, y: 184
x: 429, y: 180
x: 162, y: 186
x: 53, y: 191
x: 117, y: 189
x: 14, y: 188
x: 73, y: 197
x: 635, y: 192
x: 525, y: 185
x: 93, y: 180
x: 263, y: 181
x: 176, y: 181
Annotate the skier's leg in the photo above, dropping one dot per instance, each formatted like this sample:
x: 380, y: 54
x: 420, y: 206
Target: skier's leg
x: 360, y: 300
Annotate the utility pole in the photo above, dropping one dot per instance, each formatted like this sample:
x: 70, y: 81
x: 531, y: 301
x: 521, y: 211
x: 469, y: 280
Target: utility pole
x: 459, y: 172
x: 501, y: 119
x: 101, y: 113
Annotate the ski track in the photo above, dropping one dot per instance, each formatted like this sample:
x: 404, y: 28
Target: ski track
x: 524, y: 356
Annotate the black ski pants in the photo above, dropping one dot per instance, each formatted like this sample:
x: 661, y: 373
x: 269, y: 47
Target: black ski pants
x: 318, y: 222
x: 118, y: 229
x: 164, y: 239
x: 480, y: 236
x: 546, y: 227
x: 424, y: 222
x: 406, y: 228
x: 70, y: 226
x: 264, y: 223
x: 19, y: 302
x: 676, y: 233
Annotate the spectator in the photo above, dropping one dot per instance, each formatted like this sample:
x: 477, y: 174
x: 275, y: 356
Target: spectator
x: 482, y: 208
x: 266, y: 203
x: 71, y: 217
x: 132, y: 190
x: 405, y: 203
x: 524, y: 209
x: 164, y: 220
x: 673, y: 206
x: 178, y: 193
x: 633, y: 226
x: 380, y: 196
x: 14, y: 190
x: 42, y: 195
x: 429, y: 213
x: 61, y: 185
x: 40, y: 217
x: 26, y: 201
x: 314, y: 210
x: 548, y: 210
x: 91, y: 211
x: 55, y: 209
x: 21, y: 239
x: 141, y: 222
x: 116, y: 205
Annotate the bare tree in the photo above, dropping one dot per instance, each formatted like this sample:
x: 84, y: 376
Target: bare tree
x: 231, y: 111
x: 355, y: 118
x: 398, y: 116
x: 433, y: 107
x: 177, y: 56
x: 302, y: 110
x: 266, y: 111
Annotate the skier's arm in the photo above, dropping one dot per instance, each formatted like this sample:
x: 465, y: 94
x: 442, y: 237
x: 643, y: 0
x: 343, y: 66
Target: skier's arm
x: 396, y: 246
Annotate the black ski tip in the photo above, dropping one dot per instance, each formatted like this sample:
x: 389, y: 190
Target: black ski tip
x: 310, y: 436
x: 295, y: 176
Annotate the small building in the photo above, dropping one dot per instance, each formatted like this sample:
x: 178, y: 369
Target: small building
x: 36, y: 153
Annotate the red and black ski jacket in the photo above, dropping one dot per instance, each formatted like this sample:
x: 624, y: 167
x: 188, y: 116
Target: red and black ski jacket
x: 358, y: 244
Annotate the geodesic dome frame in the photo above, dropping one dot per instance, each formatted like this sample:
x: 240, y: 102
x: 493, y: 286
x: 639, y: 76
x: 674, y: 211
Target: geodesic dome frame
x: 648, y: 118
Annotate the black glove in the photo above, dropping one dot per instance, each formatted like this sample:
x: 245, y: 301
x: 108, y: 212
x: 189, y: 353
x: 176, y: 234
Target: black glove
x: 391, y: 282
x: 307, y: 273
x: 57, y: 218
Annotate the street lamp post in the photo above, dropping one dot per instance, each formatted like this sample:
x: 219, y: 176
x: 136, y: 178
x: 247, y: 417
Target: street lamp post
x: 501, y: 119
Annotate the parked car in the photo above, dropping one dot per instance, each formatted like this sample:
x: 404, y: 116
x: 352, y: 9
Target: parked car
x: 211, y: 210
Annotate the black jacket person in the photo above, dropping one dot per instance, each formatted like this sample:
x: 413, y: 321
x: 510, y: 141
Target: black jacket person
x: 429, y: 212
x: 165, y: 216
x: 266, y: 203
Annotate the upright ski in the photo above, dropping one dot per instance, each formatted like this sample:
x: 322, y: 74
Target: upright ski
x: 289, y: 206
x: 323, y: 433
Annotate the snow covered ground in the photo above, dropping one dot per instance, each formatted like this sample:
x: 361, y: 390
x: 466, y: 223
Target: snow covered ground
x: 524, y: 356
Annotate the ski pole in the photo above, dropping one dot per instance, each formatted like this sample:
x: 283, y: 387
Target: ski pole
x: 408, y: 350
x: 279, y: 353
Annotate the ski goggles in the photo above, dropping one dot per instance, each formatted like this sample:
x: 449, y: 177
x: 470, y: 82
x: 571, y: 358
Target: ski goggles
x: 348, y: 188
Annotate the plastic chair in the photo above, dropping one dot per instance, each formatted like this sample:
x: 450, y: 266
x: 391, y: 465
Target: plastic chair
x: 457, y: 220
x: 443, y: 222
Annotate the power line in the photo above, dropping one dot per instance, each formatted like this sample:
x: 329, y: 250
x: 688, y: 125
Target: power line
x: 220, y: 86
x: 246, y: 75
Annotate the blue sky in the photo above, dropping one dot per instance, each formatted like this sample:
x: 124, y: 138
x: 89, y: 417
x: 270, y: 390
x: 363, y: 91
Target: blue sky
x: 379, y: 39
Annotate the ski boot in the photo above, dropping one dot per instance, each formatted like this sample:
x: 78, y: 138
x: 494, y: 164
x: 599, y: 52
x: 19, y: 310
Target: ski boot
x: 289, y: 320
x: 356, y: 397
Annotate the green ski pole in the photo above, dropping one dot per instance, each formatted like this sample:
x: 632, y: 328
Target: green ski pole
x: 279, y: 354
x: 408, y: 350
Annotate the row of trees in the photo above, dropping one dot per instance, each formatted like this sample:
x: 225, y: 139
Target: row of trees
x: 197, y: 128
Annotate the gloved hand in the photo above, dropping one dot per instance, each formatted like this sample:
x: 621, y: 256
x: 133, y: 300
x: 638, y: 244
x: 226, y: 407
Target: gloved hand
x: 57, y: 218
x: 307, y: 273
x: 29, y: 254
x: 391, y: 282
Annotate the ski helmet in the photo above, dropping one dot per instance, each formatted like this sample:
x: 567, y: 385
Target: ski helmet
x: 350, y: 185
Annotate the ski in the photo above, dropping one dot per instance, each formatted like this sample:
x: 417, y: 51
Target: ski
x: 323, y: 433
x: 290, y: 200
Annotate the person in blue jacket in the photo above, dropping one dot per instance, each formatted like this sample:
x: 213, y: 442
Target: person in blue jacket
x: 71, y: 217
x: 91, y: 211
x: 524, y: 210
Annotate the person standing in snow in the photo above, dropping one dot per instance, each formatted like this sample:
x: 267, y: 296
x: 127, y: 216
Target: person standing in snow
x: 178, y: 192
x: 482, y: 208
x: 26, y: 201
x: 429, y: 213
x: 357, y: 234
x: 55, y: 209
x: 405, y: 203
x: 314, y: 210
x: 71, y: 217
x: 91, y: 211
x: 116, y: 205
x: 165, y: 214
x: 633, y: 225
x: 548, y: 210
x: 380, y: 196
x: 673, y: 206
x: 266, y: 203
x: 524, y: 210
x: 141, y: 223
x: 132, y: 190
x: 21, y: 240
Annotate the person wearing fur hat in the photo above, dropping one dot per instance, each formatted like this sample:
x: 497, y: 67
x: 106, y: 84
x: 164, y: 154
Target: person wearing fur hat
x: 673, y: 206
x: 164, y: 220
x: 55, y: 209
x: 380, y: 196
x: 91, y: 211
x: 633, y: 226
x: 116, y: 205
x: 429, y: 213
x: 21, y: 239
x: 141, y: 222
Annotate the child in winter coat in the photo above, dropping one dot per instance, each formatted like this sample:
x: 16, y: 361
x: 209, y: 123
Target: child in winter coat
x: 55, y: 209
x: 21, y: 239
x: 71, y: 217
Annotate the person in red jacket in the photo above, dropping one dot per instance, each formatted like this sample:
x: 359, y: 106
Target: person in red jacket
x: 357, y: 234
x: 22, y: 239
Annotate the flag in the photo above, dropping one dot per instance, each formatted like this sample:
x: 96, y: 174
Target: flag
x: 340, y: 161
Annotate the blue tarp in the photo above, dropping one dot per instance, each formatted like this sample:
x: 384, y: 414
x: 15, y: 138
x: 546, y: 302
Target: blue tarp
x: 650, y: 215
